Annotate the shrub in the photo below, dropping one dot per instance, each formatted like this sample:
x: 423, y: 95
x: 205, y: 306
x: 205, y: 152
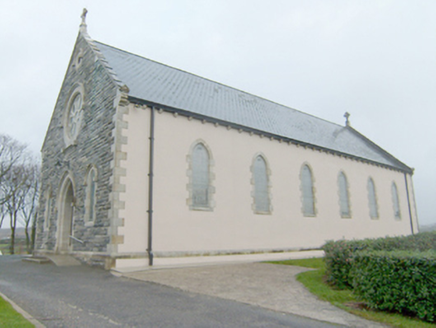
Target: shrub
x: 399, y: 281
x: 339, y: 254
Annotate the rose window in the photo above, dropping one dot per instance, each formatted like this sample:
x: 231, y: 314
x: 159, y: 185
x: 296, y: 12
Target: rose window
x: 74, y: 116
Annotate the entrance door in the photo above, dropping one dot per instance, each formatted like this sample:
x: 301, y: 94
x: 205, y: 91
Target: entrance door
x: 65, y: 222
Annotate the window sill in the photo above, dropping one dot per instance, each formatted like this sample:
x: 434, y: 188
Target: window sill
x: 203, y: 209
x: 262, y: 213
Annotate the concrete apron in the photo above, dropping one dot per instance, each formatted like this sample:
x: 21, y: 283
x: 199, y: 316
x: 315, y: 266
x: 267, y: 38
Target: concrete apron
x: 58, y: 260
x: 187, y: 261
x: 261, y: 284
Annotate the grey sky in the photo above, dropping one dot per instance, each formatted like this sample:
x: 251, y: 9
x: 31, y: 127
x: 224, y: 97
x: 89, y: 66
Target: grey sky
x: 374, y: 59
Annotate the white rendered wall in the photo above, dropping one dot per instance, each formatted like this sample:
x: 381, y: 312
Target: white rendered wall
x: 135, y: 197
x: 232, y: 225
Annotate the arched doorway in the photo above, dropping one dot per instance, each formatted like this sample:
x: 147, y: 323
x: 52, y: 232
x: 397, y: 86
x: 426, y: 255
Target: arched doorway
x: 65, y: 216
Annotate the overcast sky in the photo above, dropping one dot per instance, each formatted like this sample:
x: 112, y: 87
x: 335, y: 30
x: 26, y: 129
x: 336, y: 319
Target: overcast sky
x: 374, y: 59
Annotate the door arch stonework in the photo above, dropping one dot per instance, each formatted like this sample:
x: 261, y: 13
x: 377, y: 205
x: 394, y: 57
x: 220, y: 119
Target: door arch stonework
x: 65, y: 216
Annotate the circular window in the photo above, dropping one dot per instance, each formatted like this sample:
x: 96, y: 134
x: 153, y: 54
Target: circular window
x: 73, y: 115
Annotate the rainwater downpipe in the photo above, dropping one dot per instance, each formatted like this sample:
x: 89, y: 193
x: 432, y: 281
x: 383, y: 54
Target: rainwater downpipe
x: 408, y: 203
x: 150, y: 189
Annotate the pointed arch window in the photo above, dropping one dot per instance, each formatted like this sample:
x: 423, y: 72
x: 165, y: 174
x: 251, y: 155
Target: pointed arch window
x: 91, y: 195
x: 200, y: 178
x: 372, y: 200
x: 262, y: 204
x: 48, y: 205
x: 344, y: 196
x: 307, y: 191
x: 396, y: 202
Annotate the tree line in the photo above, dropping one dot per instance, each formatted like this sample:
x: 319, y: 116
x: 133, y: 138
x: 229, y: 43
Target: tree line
x: 19, y: 189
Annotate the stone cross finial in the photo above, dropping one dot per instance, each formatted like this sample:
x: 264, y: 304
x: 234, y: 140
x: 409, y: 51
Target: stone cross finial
x: 347, y: 116
x: 83, y: 24
x: 84, y: 16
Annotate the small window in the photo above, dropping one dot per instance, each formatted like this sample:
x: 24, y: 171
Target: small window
x: 372, y: 200
x: 200, y: 177
x: 396, y: 202
x: 344, y: 197
x: 91, y: 195
x: 307, y: 191
x: 260, y: 179
x: 78, y: 59
x: 48, y: 202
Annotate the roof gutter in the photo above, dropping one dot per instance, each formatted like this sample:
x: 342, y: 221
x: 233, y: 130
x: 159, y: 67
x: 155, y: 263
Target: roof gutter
x: 150, y: 189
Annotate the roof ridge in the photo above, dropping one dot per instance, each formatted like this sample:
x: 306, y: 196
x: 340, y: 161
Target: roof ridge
x: 219, y: 83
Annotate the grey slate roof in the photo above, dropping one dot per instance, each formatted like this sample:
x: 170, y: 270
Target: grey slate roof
x: 157, y: 83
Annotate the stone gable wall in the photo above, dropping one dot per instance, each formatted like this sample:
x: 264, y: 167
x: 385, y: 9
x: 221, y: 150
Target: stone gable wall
x: 92, y: 147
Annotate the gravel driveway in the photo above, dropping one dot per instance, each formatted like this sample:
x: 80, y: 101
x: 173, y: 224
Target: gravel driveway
x: 266, y: 285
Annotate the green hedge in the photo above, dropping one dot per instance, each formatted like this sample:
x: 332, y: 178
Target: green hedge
x: 339, y: 254
x: 399, y: 281
x: 338, y: 257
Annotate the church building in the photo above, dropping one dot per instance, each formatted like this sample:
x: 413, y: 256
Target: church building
x: 144, y: 162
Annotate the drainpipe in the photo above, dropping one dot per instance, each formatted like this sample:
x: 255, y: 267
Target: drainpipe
x: 150, y: 189
x: 408, y: 203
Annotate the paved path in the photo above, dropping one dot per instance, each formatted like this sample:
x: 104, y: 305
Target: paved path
x: 266, y: 285
x: 81, y: 296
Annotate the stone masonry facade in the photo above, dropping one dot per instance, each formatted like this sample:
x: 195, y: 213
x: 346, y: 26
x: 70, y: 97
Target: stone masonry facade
x: 93, y: 147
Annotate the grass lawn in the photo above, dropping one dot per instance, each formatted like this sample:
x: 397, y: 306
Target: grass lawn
x: 4, y: 248
x: 11, y: 318
x: 20, y: 248
x: 345, y: 299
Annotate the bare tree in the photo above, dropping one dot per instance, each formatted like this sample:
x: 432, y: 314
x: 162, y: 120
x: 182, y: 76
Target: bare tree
x: 30, y: 192
x: 11, y: 153
x: 3, y: 213
x: 15, y: 185
x: 19, y: 183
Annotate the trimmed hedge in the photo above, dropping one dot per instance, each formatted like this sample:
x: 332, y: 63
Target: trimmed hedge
x: 339, y: 254
x: 338, y: 257
x: 399, y: 281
